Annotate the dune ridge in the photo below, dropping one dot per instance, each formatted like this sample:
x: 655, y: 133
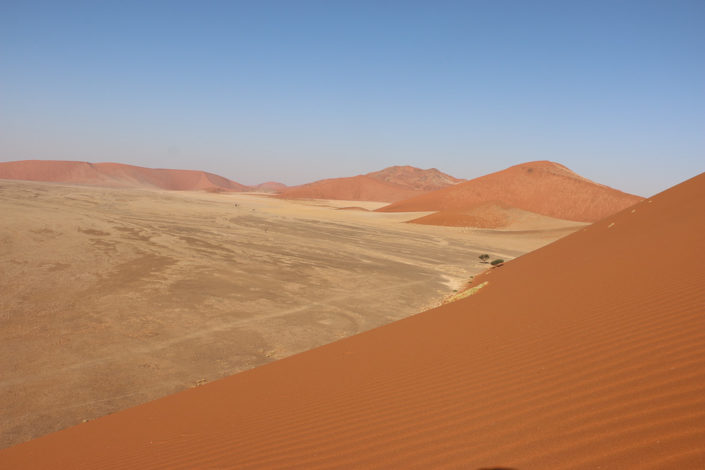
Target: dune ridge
x: 543, y: 187
x: 587, y: 353
x: 415, y: 178
x: 270, y: 187
x: 116, y: 175
x: 391, y: 184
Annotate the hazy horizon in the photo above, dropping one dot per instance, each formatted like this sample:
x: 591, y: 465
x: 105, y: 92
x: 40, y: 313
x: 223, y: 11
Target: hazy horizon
x: 296, y: 92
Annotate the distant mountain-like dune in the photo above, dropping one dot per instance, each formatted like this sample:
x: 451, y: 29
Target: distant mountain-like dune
x: 391, y: 184
x: 115, y: 175
x: 270, y: 187
x: 415, y: 178
x: 587, y: 353
x: 542, y: 187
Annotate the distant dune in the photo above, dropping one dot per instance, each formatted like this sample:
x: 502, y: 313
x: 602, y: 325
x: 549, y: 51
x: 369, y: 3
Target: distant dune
x: 587, y: 353
x: 391, y: 184
x: 542, y: 187
x: 115, y: 175
x: 415, y: 178
x: 270, y: 187
x: 490, y: 215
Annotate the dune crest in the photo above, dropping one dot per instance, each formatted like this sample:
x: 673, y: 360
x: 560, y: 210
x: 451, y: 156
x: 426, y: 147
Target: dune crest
x: 587, y: 353
x: 116, y: 175
x: 391, y: 184
x: 415, y: 178
x: 270, y: 187
x: 542, y: 187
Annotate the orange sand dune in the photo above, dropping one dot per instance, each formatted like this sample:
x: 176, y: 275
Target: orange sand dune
x: 543, y: 187
x: 486, y: 215
x: 494, y: 215
x: 587, y: 353
x: 388, y: 185
x: 115, y: 175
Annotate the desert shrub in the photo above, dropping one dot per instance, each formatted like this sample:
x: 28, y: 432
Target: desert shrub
x: 484, y: 257
x: 497, y: 262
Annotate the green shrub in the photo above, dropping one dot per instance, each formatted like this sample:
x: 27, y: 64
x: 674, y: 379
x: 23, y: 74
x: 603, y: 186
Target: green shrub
x: 484, y: 257
x: 497, y: 262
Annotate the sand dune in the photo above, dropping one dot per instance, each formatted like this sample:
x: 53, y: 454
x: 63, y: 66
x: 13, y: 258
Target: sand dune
x: 493, y: 215
x: 388, y: 185
x: 114, y: 297
x: 115, y: 175
x: 415, y: 178
x: 587, y: 353
x: 542, y: 187
x: 487, y: 215
x: 270, y: 187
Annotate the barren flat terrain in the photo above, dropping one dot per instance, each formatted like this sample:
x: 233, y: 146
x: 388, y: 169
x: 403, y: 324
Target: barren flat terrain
x: 114, y: 297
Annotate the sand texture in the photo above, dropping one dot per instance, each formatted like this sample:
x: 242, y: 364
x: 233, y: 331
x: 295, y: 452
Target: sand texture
x: 542, y: 187
x: 587, y: 353
x: 388, y: 185
x: 114, y: 297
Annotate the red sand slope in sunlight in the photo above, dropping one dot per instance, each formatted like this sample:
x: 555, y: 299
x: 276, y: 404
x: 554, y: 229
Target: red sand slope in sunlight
x: 115, y: 175
x: 587, y: 353
x: 543, y: 187
x: 489, y: 215
x: 493, y: 215
x: 388, y: 185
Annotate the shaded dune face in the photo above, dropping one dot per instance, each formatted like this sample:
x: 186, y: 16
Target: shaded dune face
x: 587, y: 353
x: 542, y: 187
x: 115, y: 175
x: 388, y: 185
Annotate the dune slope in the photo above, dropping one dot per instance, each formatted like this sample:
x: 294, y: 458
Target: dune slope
x: 543, y: 187
x: 415, y: 178
x: 587, y: 353
x: 391, y: 184
x: 485, y: 215
x: 115, y: 175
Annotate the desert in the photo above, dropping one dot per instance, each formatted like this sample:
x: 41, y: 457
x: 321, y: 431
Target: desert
x: 352, y: 235
x: 558, y: 361
x: 139, y: 293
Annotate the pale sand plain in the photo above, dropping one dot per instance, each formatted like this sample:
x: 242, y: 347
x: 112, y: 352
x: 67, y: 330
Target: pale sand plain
x: 115, y: 297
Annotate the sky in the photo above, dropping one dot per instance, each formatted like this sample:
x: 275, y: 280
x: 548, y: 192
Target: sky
x: 296, y: 91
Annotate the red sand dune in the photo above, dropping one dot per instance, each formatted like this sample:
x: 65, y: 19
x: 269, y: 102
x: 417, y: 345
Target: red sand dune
x: 115, y: 175
x: 486, y: 215
x: 543, y: 187
x: 388, y: 185
x: 587, y: 353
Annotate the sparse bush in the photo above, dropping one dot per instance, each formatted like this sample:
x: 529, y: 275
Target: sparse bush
x: 497, y: 262
x: 484, y: 258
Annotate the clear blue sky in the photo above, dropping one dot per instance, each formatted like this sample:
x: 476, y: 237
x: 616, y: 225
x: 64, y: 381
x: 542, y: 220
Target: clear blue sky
x: 296, y: 91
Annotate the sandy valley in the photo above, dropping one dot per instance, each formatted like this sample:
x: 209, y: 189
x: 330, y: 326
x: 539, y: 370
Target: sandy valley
x: 114, y: 297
